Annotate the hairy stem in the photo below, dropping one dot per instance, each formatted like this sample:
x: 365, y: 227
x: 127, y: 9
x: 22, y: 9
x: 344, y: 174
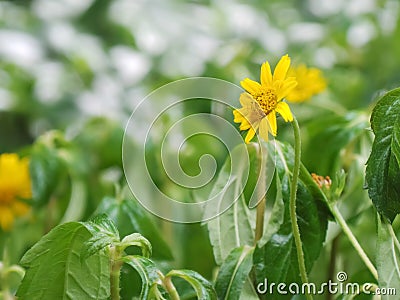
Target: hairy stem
x: 353, y: 240
x: 116, y: 265
x: 293, y: 216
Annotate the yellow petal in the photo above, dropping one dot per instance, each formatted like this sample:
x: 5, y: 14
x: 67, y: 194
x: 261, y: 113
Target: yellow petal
x: 237, y: 116
x: 6, y: 218
x: 266, y: 75
x: 263, y: 130
x: 284, y: 110
x: 250, y: 135
x: 250, y: 86
x: 287, y: 86
x: 272, y: 122
x: 246, y: 99
x: 244, y: 126
x: 282, y: 67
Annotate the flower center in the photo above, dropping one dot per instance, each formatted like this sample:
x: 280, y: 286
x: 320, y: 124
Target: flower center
x: 267, y: 99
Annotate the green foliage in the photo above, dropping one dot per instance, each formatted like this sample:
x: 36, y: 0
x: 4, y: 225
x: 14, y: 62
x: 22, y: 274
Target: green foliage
x: 383, y: 168
x: 277, y: 259
x: 235, y: 226
x: 387, y: 257
x: 149, y: 275
x: 275, y: 256
x: 82, y: 257
x: 103, y: 233
x: 56, y: 259
x: 45, y: 168
x: 204, y: 289
x: 336, y: 133
x: 234, y: 272
x: 68, y: 83
x: 129, y: 216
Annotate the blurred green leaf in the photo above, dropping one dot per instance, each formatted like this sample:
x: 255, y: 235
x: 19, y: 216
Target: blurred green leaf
x: 14, y: 131
x: 203, y: 288
x: 102, y: 138
x: 234, y: 227
x: 149, y: 275
x: 129, y: 216
x: 383, y: 170
x: 45, y: 167
x: 277, y: 260
x: 233, y: 273
x: 56, y: 259
x: 387, y: 258
x: 335, y: 133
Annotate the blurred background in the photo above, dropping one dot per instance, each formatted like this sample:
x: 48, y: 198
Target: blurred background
x: 81, y: 67
x: 65, y: 61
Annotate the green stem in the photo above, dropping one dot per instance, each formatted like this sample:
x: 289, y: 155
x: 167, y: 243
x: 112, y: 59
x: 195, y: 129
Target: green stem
x: 293, y: 216
x: 169, y: 286
x: 393, y: 235
x: 260, y: 211
x: 353, y: 240
x: 259, y: 220
x: 116, y: 265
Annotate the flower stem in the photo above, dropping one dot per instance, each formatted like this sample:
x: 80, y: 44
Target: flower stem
x: 260, y: 194
x: 293, y: 216
x: 259, y: 220
x: 116, y: 265
x: 353, y: 240
x: 169, y: 286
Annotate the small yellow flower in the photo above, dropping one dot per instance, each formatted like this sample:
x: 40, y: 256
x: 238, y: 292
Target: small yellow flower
x: 310, y: 82
x: 262, y: 101
x: 15, y: 186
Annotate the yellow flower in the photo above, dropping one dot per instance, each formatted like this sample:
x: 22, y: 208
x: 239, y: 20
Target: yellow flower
x: 262, y: 101
x: 310, y: 82
x: 15, y: 186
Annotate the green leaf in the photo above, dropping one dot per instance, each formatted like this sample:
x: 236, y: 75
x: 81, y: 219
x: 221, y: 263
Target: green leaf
x: 56, y: 259
x: 248, y: 291
x: 387, y: 258
x: 136, y: 239
x: 234, y: 227
x: 234, y: 272
x: 203, y: 288
x: 44, y: 168
x: 101, y: 223
x: 383, y: 171
x: 104, y: 233
x: 277, y: 259
x: 129, y: 216
x: 149, y: 275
